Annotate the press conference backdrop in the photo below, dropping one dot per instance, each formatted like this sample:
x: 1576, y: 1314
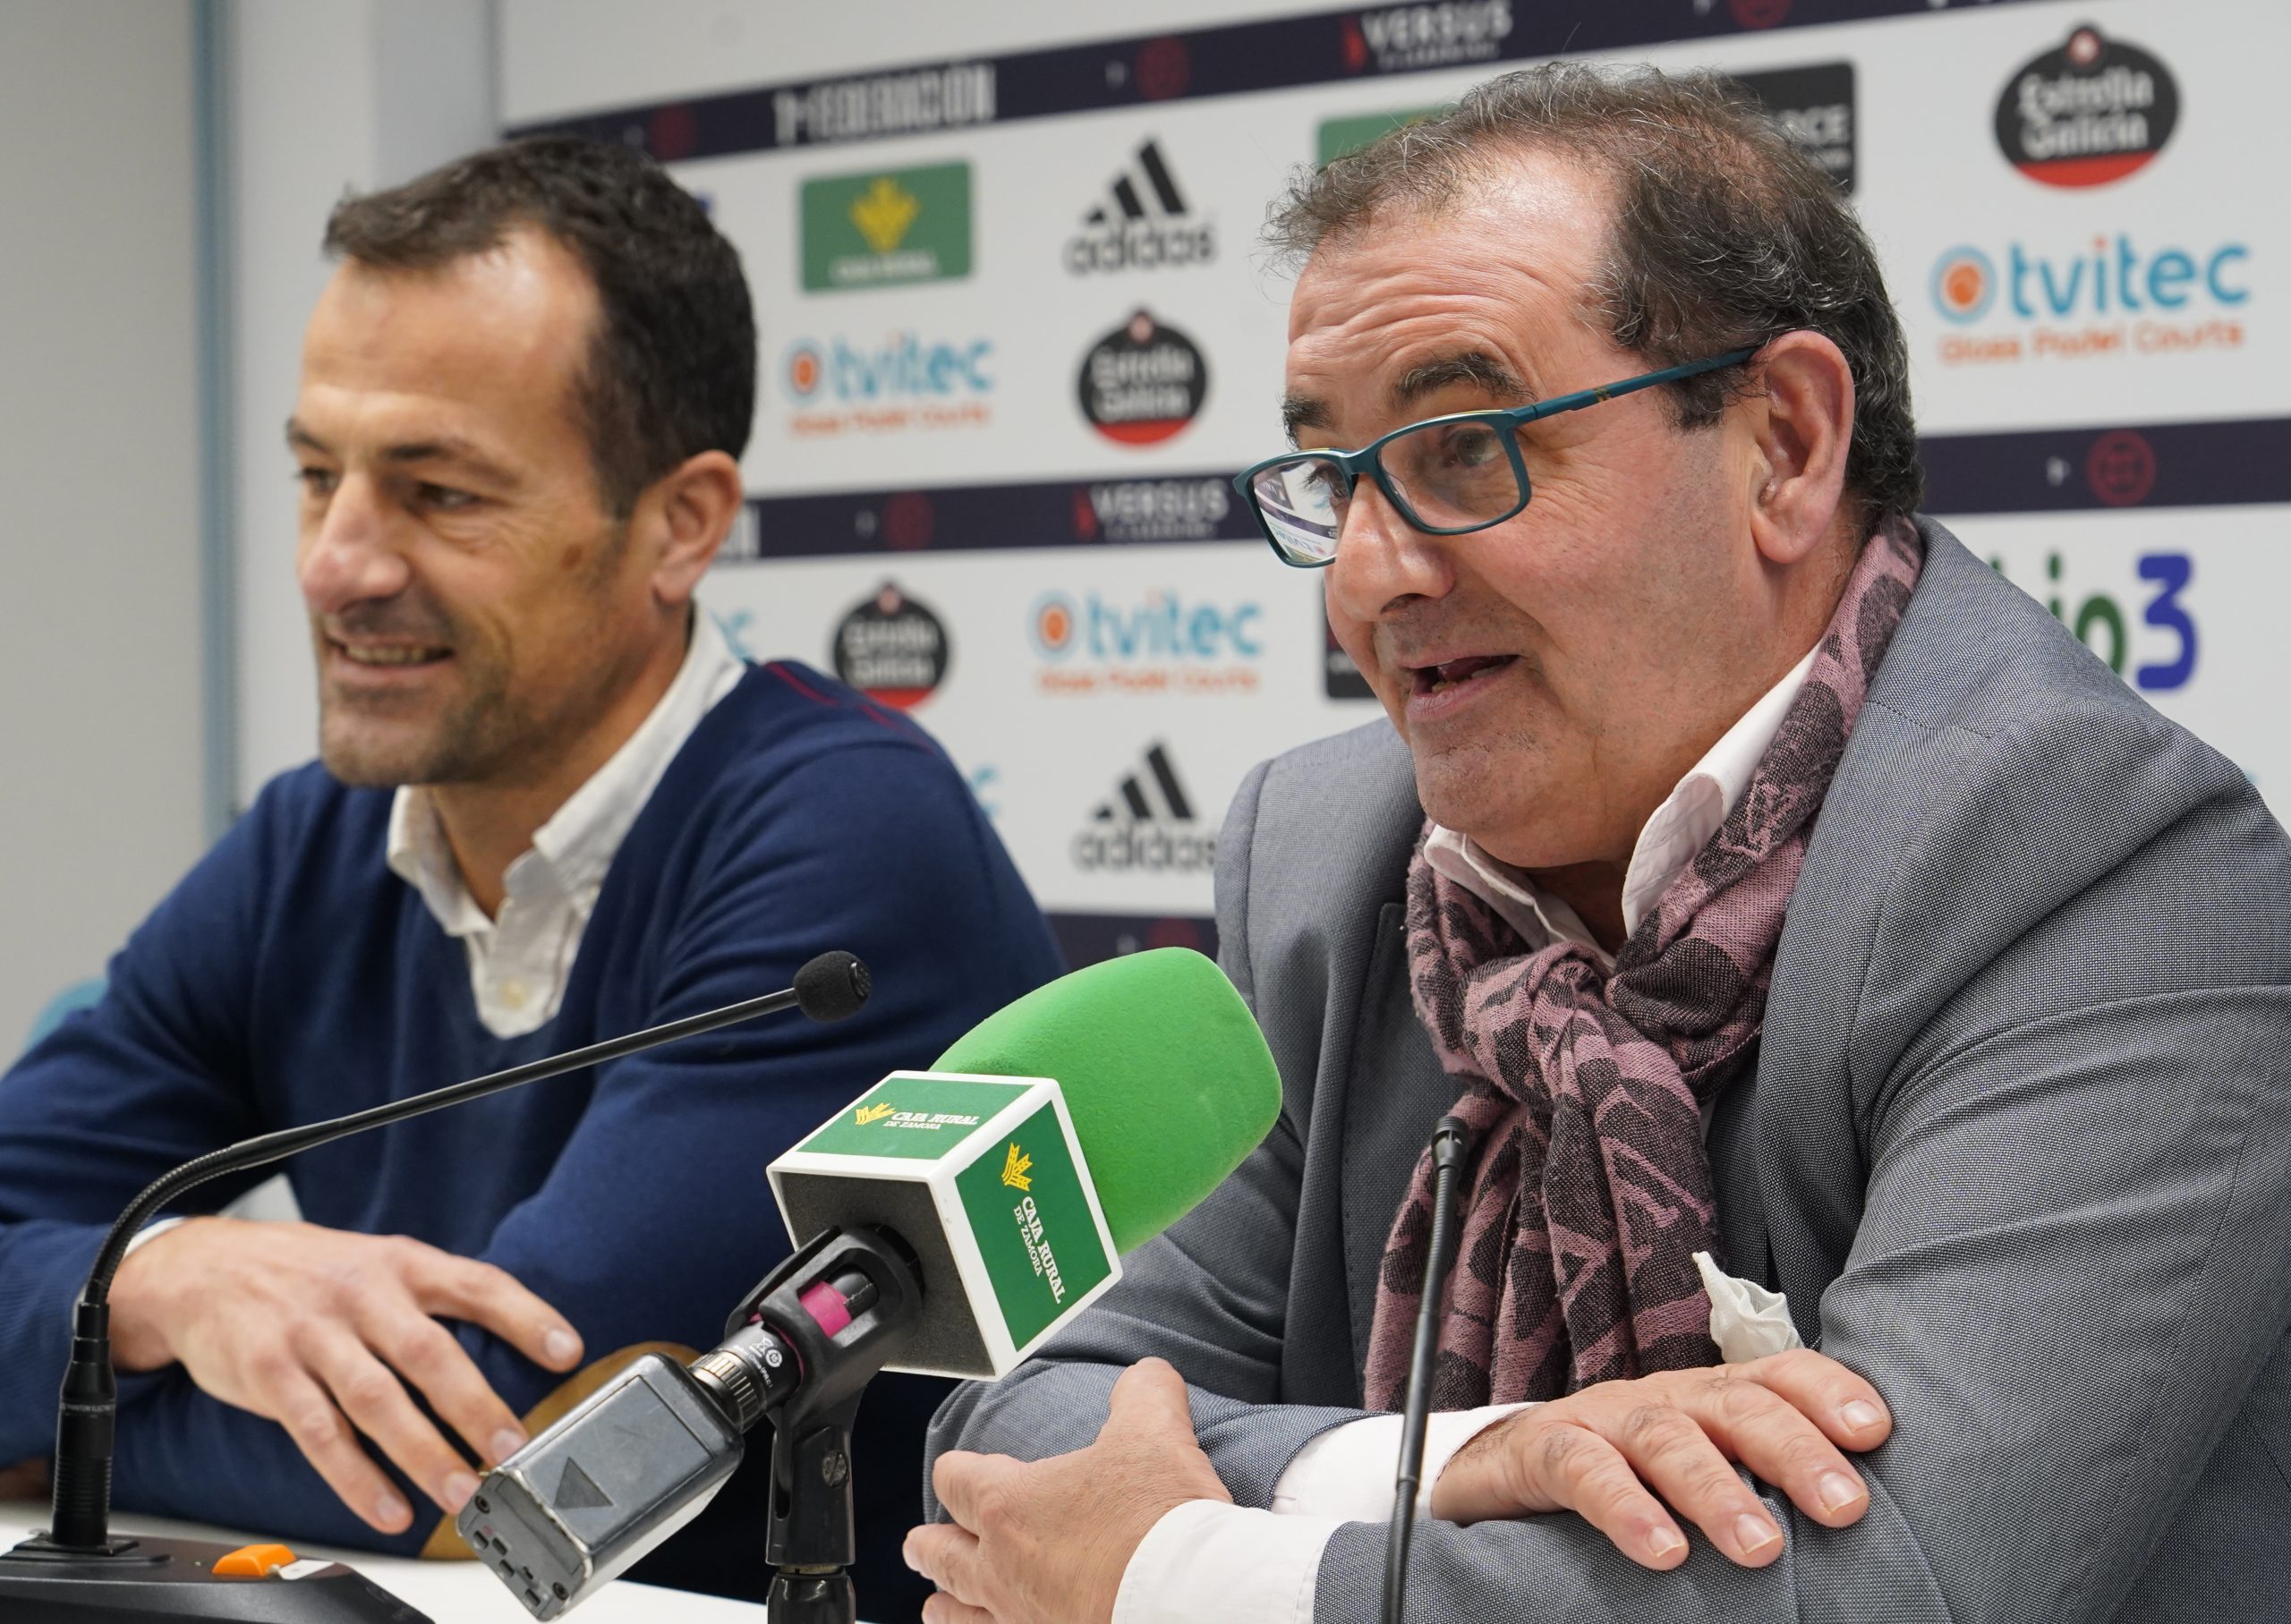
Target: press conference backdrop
x: 1016, y: 335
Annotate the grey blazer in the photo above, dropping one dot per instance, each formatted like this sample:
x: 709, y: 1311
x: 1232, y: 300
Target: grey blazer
x: 2017, y: 1146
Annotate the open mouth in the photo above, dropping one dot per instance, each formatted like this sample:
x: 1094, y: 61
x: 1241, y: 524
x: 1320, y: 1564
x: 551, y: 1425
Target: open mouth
x: 1450, y: 674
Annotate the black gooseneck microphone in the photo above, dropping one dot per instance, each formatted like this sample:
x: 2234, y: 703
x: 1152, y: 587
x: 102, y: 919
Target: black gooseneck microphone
x: 1451, y: 1143
x: 77, y: 1569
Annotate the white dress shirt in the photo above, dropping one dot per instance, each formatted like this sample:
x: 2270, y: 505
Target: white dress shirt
x: 1206, y: 1562
x: 519, y: 960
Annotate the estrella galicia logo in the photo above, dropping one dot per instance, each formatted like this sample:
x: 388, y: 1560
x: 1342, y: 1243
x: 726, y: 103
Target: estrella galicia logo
x: 2090, y: 112
x: 1142, y: 223
x: 891, y: 649
x: 1146, y: 826
x: 1143, y: 382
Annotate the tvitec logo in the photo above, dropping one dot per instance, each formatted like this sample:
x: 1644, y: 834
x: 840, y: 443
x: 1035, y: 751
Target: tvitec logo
x: 2113, y: 298
x: 1094, y: 644
x: 906, y: 382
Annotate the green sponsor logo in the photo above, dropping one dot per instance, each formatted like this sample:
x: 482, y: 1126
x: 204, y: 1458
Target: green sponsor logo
x: 886, y: 227
x: 1033, y: 1226
x: 918, y: 1118
x: 1339, y: 136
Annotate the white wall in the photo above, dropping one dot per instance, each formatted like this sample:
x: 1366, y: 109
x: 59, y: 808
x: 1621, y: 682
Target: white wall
x: 100, y: 724
x: 328, y: 96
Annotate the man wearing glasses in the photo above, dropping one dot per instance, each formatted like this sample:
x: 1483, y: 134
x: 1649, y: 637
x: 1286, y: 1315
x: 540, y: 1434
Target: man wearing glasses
x: 1782, y: 899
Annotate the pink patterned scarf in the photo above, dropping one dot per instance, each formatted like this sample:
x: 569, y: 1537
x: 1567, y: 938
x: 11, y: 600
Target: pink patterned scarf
x: 1591, y: 1189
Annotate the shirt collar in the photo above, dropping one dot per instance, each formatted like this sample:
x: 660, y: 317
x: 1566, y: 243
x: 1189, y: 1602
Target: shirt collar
x: 571, y: 851
x: 1680, y: 826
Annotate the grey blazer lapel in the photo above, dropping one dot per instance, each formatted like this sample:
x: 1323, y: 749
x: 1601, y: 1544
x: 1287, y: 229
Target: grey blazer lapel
x: 1392, y: 1093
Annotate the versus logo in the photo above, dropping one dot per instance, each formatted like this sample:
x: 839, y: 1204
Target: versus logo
x: 885, y: 103
x: 839, y: 387
x: 886, y: 229
x: 1142, y: 225
x: 891, y: 649
x: 1152, y: 510
x: 1401, y: 38
x: 1162, y: 645
x: 1135, y: 831
x: 1015, y: 1166
x: 2129, y: 299
x: 1814, y: 105
x: 2090, y: 113
x: 1143, y: 382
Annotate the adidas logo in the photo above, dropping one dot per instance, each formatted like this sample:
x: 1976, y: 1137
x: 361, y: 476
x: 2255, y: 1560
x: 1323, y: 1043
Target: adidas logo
x: 1142, y: 225
x: 1130, y: 833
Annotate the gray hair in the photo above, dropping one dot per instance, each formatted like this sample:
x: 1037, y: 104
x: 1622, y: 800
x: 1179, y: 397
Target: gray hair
x: 1726, y: 234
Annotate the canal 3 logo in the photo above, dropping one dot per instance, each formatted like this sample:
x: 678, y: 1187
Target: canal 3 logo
x: 2097, y: 615
x: 1016, y: 1166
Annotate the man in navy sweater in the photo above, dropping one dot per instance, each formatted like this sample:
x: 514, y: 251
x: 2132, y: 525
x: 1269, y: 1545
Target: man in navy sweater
x: 551, y: 807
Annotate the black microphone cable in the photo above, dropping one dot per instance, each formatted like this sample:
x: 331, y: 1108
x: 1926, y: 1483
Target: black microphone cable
x: 1451, y: 1144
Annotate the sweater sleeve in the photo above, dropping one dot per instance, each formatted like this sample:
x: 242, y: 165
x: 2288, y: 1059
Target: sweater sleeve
x: 151, y: 1076
x: 656, y: 1217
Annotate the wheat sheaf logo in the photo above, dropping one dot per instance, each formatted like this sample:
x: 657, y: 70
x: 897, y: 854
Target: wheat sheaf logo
x: 1014, y: 1169
x: 883, y: 212
x: 873, y: 1113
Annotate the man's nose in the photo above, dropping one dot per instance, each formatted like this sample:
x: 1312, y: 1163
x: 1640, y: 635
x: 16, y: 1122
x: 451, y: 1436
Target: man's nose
x: 1382, y: 559
x: 352, y: 556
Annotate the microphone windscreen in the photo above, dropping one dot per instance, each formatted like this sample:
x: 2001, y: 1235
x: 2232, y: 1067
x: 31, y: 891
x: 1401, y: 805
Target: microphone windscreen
x: 1164, y: 1072
x: 832, y: 986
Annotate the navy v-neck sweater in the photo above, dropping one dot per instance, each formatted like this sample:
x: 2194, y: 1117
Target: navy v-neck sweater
x: 290, y: 977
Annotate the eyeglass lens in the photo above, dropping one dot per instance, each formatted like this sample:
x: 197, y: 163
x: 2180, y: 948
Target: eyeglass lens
x: 1449, y: 476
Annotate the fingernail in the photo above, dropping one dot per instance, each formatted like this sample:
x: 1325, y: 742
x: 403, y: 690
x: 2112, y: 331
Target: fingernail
x: 506, y: 1442
x: 1665, y: 1542
x: 1754, y: 1534
x: 563, y: 1347
x: 1838, y: 1491
x: 390, y: 1510
x: 459, y: 1487
x: 907, y: 1555
x: 1862, y: 1415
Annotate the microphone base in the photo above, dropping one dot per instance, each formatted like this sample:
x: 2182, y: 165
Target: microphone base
x: 812, y: 1597
x: 168, y: 1579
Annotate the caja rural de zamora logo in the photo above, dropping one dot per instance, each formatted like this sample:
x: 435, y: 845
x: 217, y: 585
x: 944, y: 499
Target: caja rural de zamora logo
x: 889, y: 1114
x: 2087, y: 112
x: 886, y: 229
x: 1016, y: 1166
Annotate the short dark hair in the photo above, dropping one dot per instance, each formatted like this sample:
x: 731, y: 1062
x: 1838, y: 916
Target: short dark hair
x: 670, y: 370
x: 1726, y: 234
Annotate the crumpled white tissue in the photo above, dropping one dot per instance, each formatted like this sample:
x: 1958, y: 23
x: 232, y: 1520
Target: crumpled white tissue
x: 1746, y: 1320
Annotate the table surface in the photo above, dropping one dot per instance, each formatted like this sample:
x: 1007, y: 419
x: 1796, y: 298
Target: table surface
x: 450, y: 1593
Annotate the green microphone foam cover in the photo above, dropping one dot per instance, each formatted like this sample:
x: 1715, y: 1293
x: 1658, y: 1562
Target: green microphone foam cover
x: 1163, y: 1070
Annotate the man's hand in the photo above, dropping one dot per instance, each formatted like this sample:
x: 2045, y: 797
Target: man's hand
x: 322, y: 1331
x: 26, y: 1480
x: 1047, y: 1543
x: 1606, y: 1453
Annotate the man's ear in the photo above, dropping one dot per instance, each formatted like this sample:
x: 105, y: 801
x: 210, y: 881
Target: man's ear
x: 1801, y: 421
x: 688, y: 512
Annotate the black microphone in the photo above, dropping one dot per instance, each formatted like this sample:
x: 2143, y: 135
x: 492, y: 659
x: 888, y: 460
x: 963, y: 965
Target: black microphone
x: 77, y: 1570
x: 1451, y: 1143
